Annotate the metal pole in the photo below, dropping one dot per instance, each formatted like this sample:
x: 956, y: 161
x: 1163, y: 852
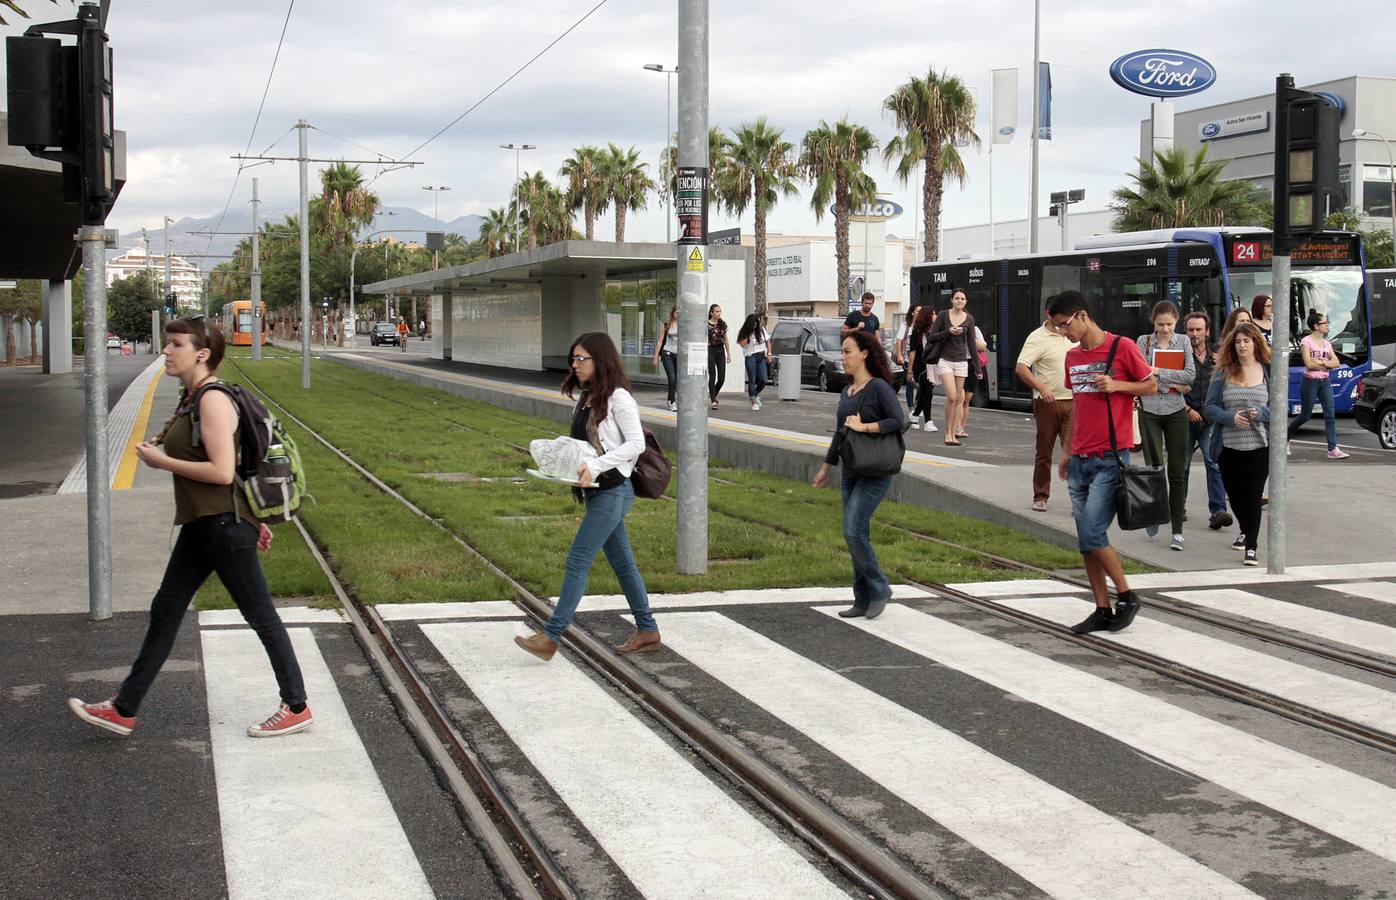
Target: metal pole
x: 991, y: 185
x: 1279, y: 410
x: 256, y: 277
x: 1036, y: 88
x: 304, y: 163
x: 353, y: 260
x: 155, y: 331
x: 169, y: 287
x: 668, y: 157
x: 94, y: 381
x: 692, y: 548
x: 1066, y: 233
x: 518, y: 219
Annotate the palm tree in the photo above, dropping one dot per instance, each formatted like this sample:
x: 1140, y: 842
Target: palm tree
x: 626, y: 183
x: 1179, y: 189
x: 833, y: 157
x: 933, y: 112
x: 543, y: 210
x: 758, y: 169
x: 586, y: 189
x: 345, y: 204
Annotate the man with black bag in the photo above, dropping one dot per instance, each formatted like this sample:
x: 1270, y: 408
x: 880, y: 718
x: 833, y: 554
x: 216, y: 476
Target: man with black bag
x: 1105, y: 374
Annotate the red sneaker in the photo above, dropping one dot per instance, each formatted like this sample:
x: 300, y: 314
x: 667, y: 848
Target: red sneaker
x: 283, y: 721
x: 103, y: 715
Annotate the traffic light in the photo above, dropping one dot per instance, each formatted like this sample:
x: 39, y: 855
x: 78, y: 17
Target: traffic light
x: 1306, y: 161
x: 172, y: 303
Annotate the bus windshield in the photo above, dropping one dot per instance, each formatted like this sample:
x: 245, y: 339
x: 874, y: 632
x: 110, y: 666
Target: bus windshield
x: 1335, y: 291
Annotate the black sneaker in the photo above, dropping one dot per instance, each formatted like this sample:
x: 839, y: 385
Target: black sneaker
x: 1252, y: 558
x: 1219, y: 521
x: 1126, y: 608
x: 1099, y: 620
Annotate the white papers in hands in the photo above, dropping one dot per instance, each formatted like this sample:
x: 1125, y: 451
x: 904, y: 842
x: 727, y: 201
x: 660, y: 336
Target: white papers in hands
x: 559, y: 459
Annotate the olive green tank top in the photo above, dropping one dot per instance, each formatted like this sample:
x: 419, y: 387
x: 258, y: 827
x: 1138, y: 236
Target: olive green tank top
x: 196, y: 499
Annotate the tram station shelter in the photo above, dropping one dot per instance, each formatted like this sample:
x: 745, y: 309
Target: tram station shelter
x: 523, y: 310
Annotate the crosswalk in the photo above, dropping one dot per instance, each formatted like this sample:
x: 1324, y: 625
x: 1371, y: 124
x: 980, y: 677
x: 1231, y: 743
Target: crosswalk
x: 1289, y: 808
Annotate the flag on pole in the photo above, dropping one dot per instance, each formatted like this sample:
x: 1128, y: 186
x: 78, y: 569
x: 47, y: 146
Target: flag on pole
x: 1005, y: 105
x: 1044, y: 102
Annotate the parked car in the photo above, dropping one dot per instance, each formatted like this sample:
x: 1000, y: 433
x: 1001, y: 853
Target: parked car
x: 816, y: 341
x: 1375, y: 408
x: 384, y: 333
x: 113, y: 342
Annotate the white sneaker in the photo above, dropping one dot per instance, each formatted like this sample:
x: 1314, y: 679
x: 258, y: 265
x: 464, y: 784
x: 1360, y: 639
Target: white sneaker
x: 758, y: 403
x: 931, y: 426
x: 755, y: 406
x: 673, y: 407
x: 917, y: 420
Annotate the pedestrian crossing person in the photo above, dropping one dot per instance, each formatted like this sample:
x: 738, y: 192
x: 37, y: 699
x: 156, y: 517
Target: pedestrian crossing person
x: 217, y: 535
x: 1163, y: 417
x: 1042, y: 367
x: 755, y: 344
x: 1238, y: 400
x: 1106, y: 373
x: 608, y: 418
x: 1201, y: 432
x: 868, y: 404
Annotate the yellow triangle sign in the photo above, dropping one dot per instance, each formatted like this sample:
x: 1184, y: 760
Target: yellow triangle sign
x: 696, y: 255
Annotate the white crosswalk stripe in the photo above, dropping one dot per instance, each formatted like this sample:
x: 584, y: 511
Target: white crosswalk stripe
x: 1385, y: 591
x: 1349, y: 806
x: 1352, y: 700
x: 1317, y: 623
x: 669, y: 828
x: 1030, y: 826
x: 303, y: 815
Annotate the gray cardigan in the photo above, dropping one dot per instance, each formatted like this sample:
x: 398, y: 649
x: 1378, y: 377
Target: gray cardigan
x: 1165, y: 401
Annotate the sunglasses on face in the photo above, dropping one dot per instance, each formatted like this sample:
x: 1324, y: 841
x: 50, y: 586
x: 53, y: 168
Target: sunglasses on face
x: 1062, y: 326
x: 577, y: 360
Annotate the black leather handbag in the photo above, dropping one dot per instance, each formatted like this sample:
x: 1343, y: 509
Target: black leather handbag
x: 867, y: 455
x: 1141, y: 493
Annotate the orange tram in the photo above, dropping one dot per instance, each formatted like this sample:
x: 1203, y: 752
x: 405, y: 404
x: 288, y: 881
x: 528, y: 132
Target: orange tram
x: 237, y: 323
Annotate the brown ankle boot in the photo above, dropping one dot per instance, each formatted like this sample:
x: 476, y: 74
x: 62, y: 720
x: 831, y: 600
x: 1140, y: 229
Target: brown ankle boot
x: 539, y: 644
x: 640, y: 642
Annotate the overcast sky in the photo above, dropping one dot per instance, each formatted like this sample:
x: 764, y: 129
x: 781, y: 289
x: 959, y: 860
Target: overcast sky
x: 387, y: 75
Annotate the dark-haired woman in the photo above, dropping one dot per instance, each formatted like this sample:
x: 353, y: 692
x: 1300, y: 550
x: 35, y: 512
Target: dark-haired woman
x: 667, y: 352
x: 1238, y: 400
x: 1319, y: 357
x: 954, y: 328
x: 752, y: 339
x: 1262, y: 314
x: 1163, y: 417
x: 920, y: 368
x: 216, y: 535
x: 719, y: 354
x: 868, y: 404
x: 608, y: 418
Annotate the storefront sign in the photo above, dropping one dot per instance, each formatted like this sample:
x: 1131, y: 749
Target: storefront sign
x: 878, y: 211
x: 725, y: 236
x: 784, y: 266
x: 1246, y: 123
x: 1163, y: 73
x: 691, y: 204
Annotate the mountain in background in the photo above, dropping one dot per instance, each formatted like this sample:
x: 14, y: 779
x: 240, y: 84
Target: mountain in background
x: 205, y: 251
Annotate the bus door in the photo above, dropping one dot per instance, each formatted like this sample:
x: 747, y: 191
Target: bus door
x: 1020, y: 315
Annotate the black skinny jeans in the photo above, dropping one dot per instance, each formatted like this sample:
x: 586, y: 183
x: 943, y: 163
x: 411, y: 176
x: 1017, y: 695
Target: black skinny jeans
x: 925, y: 390
x: 1244, y: 473
x: 227, y: 545
x: 717, y: 370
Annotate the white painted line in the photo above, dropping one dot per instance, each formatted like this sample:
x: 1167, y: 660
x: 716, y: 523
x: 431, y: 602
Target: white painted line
x: 290, y: 615
x: 669, y: 828
x: 1306, y: 620
x: 1348, y: 806
x: 120, y: 421
x: 1025, y: 588
x: 1030, y: 826
x: 304, y: 815
x: 1255, y: 575
x: 1385, y: 591
x: 1352, y: 700
x: 482, y: 609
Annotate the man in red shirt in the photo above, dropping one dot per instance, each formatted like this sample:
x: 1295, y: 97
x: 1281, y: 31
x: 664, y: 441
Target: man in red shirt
x: 1091, y: 471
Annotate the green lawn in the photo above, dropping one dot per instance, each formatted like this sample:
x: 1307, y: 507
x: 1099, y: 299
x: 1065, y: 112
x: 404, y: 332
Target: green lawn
x: 438, y: 450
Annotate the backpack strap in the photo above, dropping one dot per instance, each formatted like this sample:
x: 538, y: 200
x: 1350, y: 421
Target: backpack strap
x: 194, y: 406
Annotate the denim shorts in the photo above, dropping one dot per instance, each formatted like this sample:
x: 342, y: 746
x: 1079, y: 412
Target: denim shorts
x: 1092, y: 480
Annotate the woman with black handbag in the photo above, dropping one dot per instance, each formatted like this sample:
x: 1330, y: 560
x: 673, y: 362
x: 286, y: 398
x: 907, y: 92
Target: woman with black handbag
x: 868, y: 440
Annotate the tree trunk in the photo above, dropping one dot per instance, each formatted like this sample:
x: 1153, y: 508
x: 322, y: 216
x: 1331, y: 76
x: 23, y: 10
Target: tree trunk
x: 589, y: 214
x: 760, y: 230
x: 10, y: 341
x: 932, y: 190
x: 841, y: 212
x: 620, y: 222
x: 33, y: 342
x: 413, y: 324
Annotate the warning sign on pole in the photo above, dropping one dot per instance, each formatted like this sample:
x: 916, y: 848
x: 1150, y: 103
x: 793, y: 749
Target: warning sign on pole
x: 695, y: 260
x: 691, y: 205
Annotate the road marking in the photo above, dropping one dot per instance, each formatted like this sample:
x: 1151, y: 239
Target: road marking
x: 1191, y: 579
x: 126, y: 472
x: 1024, y: 588
x: 1384, y: 591
x: 1030, y: 826
x: 1306, y: 620
x: 1352, y: 700
x: 120, y: 422
x: 290, y: 615
x: 304, y: 815
x: 1343, y: 804
x: 672, y: 831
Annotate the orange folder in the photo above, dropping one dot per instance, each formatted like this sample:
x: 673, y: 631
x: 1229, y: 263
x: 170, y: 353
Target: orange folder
x: 1170, y: 359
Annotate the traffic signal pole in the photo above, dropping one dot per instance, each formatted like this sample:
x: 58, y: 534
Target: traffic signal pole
x: 304, y: 162
x: 94, y: 384
x: 256, y: 279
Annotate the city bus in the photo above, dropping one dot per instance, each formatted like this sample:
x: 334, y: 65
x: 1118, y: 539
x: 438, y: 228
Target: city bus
x: 1211, y: 270
x: 237, y: 323
x: 1381, y: 297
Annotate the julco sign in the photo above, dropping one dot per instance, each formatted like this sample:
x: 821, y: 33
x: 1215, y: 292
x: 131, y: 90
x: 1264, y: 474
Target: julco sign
x: 877, y: 211
x: 1163, y: 73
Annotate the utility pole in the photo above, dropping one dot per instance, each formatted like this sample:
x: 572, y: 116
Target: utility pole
x: 665, y: 189
x: 1278, y: 431
x: 1036, y: 113
x: 169, y: 286
x: 304, y: 161
x: 256, y: 278
x: 518, y: 219
x: 692, y: 260
x: 436, y: 216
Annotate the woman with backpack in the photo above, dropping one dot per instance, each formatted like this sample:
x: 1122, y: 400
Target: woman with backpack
x: 608, y: 418
x: 217, y: 534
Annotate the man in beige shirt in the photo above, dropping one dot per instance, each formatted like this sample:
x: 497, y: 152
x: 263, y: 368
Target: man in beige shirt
x: 1042, y: 367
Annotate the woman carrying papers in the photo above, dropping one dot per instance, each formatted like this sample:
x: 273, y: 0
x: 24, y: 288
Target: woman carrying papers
x: 1163, y: 417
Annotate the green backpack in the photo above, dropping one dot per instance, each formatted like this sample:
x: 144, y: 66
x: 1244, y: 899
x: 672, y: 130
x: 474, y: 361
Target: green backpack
x: 269, y: 471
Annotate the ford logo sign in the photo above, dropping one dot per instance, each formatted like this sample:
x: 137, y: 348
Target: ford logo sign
x: 1007, y: 130
x: 1163, y: 73
x: 1211, y: 129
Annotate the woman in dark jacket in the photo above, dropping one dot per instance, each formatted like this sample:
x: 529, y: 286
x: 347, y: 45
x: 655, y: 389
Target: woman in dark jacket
x: 869, y: 404
x: 918, y: 367
x: 959, y: 359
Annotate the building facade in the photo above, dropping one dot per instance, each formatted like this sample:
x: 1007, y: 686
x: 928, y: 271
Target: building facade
x: 185, y: 278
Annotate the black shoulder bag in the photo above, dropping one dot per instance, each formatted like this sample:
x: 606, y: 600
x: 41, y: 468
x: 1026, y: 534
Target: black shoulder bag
x: 868, y: 455
x: 1141, y: 494
x: 933, y: 347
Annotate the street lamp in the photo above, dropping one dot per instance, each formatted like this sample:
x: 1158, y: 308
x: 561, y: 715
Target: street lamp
x: 668, y: 137
x: 353, y: 257
x: 518, y: 149
x: 169, y: 289
x: 436, y: 214
x: 1390, y: 170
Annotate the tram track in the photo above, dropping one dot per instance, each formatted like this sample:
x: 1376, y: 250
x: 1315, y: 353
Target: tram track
x: 869, y: 868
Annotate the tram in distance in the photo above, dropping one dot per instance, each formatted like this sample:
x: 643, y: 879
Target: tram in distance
x: 237, y: 323
x: 1122, y: 276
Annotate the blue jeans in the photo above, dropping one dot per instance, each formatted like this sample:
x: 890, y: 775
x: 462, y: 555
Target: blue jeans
x: 1320, y: 389
x: 758, y: 374
x: 861, y: 497
x: 1201, y: 435
x: 1091, y: 481
x: 670, y: 361
x: 602, y: 529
